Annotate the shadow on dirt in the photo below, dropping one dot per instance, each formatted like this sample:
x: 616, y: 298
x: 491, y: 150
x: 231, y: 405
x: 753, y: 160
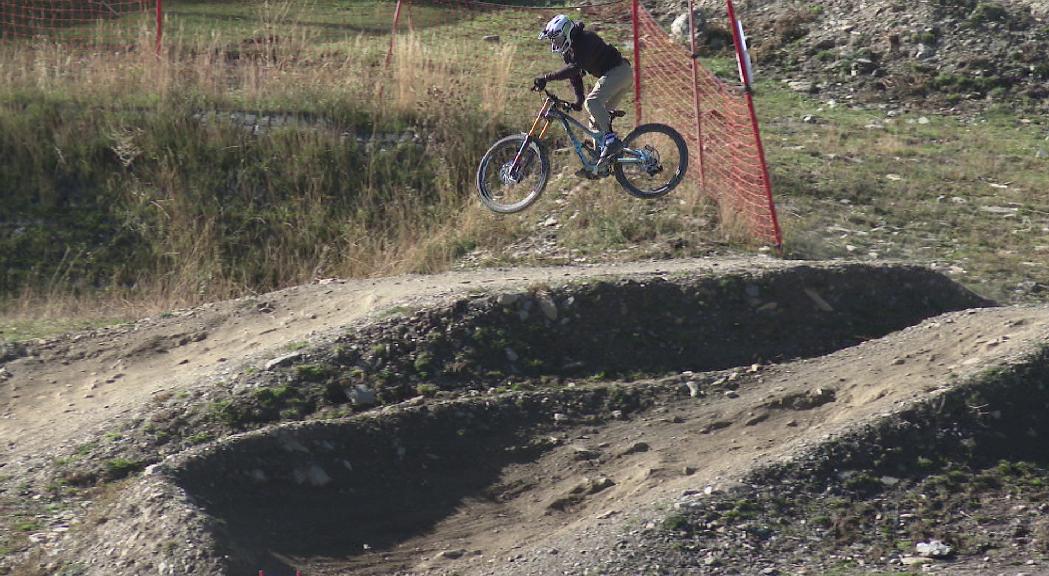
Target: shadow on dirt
x: 337, y: 489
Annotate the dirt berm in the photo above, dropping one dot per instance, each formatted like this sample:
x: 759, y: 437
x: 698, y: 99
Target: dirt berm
x: 580, y: 427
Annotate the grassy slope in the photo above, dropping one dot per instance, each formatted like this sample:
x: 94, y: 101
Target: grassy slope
x: 152, y: 204
x: 148, y: 198
x: 967, y: 195
x: 155, y: 207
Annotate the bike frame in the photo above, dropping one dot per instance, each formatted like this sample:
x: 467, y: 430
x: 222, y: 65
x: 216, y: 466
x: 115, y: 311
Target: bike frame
x: 547, y: 115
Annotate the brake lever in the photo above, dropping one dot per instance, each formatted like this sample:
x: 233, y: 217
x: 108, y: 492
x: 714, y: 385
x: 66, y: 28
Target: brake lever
x: 557, y: 101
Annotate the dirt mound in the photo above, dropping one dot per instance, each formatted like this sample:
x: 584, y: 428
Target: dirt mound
x: 621, y: 398
x: 374, y: 483
x: 922, y: 53
x: 614, y: 477
x: 545, y: 336
x: 965, y: 468
x: 793, y: 418
x: 602, y: 330
x: 68, y: 391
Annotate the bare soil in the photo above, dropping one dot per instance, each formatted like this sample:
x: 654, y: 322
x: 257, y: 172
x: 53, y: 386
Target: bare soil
x: 474, y: 498
x: 62, y: 391
x: 77, y: 400
x: 523, y: 467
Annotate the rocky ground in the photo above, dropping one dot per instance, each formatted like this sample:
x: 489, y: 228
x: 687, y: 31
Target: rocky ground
x: 728, y: 417
x: 93, y: 408
x: 926, y: 55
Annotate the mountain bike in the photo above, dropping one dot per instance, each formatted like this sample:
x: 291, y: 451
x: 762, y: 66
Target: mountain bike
x: 515, y: 170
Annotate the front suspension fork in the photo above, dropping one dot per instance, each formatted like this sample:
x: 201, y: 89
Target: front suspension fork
x: 516, y: 165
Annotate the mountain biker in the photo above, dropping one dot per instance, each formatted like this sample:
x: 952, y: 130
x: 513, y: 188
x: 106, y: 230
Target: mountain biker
x: 585, y: 52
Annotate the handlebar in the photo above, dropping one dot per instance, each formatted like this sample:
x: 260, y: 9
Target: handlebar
x: 554, y: 97
x: 567, y: 106
x: 563, y: 104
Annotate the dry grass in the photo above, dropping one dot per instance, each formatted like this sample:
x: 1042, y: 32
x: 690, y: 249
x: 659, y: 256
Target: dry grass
x: 213, y: 211
x: 395, y: 222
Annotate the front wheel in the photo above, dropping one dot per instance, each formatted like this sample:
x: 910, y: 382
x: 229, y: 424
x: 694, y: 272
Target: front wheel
x: 653, y: 162
x: 505, y: 187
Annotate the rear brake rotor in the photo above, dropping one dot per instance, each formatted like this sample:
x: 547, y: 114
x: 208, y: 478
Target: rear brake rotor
x: 652, y: 165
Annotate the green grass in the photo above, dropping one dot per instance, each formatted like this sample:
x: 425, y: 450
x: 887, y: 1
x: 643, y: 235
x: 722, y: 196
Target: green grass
x: 950, y: 192
x: 426, y: 389
x: 675, y: 523
x: 22, y: 329
x: 309, y: 373
x: 274, y: 397
x: 27, y: 526
x: 199, y: 438
x: 224, y: 411
x: 118, y: 468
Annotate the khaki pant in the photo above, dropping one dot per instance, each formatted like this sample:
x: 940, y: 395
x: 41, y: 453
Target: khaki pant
x: 608, y: 91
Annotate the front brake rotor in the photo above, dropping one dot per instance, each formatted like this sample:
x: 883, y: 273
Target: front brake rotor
x: 505, y: 174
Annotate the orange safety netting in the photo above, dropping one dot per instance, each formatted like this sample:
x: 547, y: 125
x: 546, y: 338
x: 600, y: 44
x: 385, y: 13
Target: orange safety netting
x: 78, y: 20
x: 716, y: 118
x: 725, y: 153
x: 725, y: 156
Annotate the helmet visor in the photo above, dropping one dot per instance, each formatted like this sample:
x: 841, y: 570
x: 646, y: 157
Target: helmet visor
x: 557, y: 41
x: 557, y: 31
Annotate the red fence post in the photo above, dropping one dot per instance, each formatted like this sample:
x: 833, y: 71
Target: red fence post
x: 637, y: 63
x: 695, y: 93
x: 743, y: 61
x: 160, y: 24
x: 393, y: 32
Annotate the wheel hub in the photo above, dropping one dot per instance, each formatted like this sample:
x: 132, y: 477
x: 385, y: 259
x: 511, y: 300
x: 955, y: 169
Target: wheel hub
x: 651, y: 161
x: 507, y: 176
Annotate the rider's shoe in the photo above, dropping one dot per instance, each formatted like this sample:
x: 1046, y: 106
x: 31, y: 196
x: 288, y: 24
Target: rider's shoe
x: 611, y: 146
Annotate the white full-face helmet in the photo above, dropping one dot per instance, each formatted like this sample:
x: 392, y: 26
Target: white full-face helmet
x: 559, y: 32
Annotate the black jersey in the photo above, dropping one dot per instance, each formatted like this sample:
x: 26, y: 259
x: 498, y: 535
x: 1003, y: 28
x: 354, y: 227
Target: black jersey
x: 589, y: 54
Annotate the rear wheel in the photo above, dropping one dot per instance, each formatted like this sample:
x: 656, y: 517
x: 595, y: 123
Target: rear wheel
x: 653, y: 162
x: 506, y: 189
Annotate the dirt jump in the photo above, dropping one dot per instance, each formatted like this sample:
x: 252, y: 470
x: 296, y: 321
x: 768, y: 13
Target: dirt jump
x: 746, y: 416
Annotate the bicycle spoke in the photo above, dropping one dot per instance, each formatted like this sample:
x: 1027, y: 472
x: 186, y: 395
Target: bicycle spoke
x: 508, y: 186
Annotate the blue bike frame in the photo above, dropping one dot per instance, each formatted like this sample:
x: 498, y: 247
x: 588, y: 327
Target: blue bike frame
x: 553, y: 109
x: 628, y: 156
